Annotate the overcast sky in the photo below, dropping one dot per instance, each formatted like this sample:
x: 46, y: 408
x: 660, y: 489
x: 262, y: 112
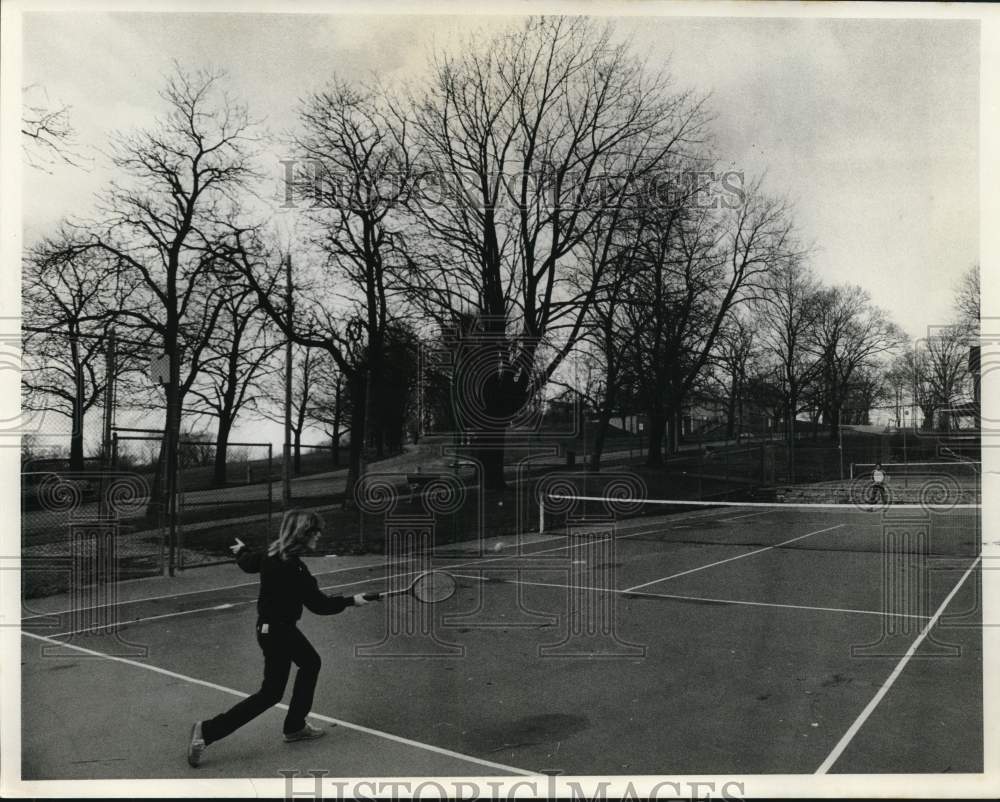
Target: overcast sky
x: 870, y: 127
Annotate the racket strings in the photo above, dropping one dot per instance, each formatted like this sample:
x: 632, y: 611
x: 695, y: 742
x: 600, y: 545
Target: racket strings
x: 434, y: 587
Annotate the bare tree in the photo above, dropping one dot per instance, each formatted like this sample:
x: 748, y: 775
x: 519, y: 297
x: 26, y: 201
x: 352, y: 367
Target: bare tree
x: 736, y: 351
x: 353, y: 173
x: 313, y: 321
x: 532, y: 138
x: 786, y: 316
x: 851, y: 334
x: 869, y: 387
x: 937, y: 372
x: 309, y: 370
x: 167, y: 222
x: 330, y: 404
x: 237, y: 356
x: 607, y: 337
x: 70, y: 301
x: 49, y: 135
x: 967, y: 303
x: 967, y: 299
x: 698, y: 266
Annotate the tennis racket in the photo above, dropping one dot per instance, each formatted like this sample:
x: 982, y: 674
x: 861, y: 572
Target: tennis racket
x: 430, y: 587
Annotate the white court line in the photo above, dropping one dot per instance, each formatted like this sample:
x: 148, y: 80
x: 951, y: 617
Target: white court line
x: 178, y: 613
x: 190, y: 592
x: 236, y: 587
x: 117, y: 624
x: 861, y: 719
x: 730, y: 559
x: 748, y: 515
x: 647, y: 594
x: 243, y: 603
x: 346, y: 724
x: 317, y: 574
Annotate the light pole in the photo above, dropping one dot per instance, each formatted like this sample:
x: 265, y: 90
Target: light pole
x: 840, y: 442
x: 906, y: 414
x: 286, y: 450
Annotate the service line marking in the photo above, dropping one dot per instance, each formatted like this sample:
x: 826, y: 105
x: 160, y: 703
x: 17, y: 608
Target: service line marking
x: 730, y: 559
x: 650, y: 595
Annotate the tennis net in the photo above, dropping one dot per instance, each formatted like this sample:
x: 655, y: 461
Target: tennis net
x: 940, y: 525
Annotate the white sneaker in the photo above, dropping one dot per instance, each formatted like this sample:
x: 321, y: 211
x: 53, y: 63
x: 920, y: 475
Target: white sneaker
x: 307, y: 733
x: 196, y: 746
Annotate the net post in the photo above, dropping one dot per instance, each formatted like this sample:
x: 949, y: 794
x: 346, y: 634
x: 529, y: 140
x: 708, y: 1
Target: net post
x: 541, y: 514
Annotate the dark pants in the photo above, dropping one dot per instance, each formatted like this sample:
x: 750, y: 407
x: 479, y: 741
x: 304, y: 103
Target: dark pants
x: 877, y: 490
x: 282, y: 646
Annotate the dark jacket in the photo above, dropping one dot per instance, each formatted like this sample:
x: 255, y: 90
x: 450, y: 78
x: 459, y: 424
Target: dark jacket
x: 285, y: 587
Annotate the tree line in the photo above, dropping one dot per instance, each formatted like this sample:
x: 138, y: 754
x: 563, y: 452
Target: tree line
x: 541, y: 198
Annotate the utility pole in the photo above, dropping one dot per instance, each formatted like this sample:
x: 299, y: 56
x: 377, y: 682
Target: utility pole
x: 840, y: 440
x: 109, y: 398
x: 109, y: 416
x: 286, y: 485
x: 173, y: 444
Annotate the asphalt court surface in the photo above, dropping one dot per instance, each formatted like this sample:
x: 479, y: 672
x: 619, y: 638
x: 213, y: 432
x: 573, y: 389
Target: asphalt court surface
x: 736, y: 652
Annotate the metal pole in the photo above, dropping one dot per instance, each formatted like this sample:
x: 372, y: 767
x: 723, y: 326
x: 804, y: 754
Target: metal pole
x: 791, y: 441
x: 840, y: 441
x: 109, y: 397
x: 109, y: 403
x: 286, y: 485
x: 173, y: 424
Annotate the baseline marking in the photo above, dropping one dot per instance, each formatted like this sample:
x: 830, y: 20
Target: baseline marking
x: 870, y: 707
x: 347, y: 724
x: 730, y: 559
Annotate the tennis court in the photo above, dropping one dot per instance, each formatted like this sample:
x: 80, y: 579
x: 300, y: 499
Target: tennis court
x: 717, y: 639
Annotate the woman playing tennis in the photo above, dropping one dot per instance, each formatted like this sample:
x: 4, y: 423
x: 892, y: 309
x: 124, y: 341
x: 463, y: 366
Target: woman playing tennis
x: 286, y: 586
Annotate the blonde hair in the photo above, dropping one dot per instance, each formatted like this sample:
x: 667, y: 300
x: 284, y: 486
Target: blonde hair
x: 296, y: 528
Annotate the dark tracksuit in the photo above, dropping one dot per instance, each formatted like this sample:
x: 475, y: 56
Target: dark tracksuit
x: 285, y: 587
